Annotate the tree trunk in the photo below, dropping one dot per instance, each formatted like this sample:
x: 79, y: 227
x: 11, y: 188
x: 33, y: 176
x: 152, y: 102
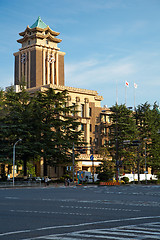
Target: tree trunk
x: 25, y: 166
x: 45, y: 166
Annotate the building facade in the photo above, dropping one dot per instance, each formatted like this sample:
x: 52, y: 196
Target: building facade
x: 40, y: 64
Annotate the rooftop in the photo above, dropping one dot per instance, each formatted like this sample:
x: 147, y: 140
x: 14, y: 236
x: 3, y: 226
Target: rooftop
x: 39, y: 23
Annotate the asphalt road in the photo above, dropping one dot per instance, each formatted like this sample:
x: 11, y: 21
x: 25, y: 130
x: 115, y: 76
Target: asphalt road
x: 106, y: 212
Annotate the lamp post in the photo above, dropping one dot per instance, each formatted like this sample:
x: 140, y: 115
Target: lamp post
x: 145, y: 162
x: 14, y: 148
x: 73, y: 158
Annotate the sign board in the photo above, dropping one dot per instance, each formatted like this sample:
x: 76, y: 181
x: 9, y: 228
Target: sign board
x: 91, y: 157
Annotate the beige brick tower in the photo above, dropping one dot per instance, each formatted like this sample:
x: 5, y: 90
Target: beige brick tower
x: 39, y: 61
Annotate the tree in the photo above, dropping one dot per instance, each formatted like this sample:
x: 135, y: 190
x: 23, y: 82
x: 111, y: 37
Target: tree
x: 148, y: 124
x: 105, y: 171
x: 153, y: 159
x: 56, y: 128
x: 43, y: 122
x: 16, y: 125
x: 121, y: 130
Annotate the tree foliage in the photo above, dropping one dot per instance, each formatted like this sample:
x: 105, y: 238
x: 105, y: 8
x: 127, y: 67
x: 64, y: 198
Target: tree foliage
x: 143, y: 125
x: 43, y: 121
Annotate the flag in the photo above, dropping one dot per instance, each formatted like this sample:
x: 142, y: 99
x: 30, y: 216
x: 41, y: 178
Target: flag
x: 135, y: 85
x: 127, y: 84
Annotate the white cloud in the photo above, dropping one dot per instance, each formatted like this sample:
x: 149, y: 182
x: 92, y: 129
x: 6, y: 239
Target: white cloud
x: 90, y: 72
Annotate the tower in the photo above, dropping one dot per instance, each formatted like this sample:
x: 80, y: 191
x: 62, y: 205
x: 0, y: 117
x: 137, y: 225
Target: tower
x: 39, y: 61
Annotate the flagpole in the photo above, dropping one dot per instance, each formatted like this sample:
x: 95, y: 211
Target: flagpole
x: 125, y: 95
x: 134, y: 97
x: 135, y: 86
x: 116, y: 93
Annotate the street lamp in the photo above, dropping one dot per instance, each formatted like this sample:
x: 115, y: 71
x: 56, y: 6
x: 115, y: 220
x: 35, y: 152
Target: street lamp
x: 14, y: 148
x: 145, y: 162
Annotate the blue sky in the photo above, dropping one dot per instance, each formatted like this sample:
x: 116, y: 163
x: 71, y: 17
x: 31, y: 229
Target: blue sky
x: 107, y: 42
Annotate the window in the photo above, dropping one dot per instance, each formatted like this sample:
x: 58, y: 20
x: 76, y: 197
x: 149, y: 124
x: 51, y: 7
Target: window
x: 90, y: 127
x: 73, y: 109
x: 90, y: 112
x: 29, y: 42
x: 82, y: 127
x: 47, y: 41
x: 105, y: 130
x: 96, y: 128
x: 105, y: 143
x: 82, y: 110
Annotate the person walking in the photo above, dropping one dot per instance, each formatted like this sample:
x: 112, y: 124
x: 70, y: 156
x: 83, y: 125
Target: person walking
x: 46, y: 181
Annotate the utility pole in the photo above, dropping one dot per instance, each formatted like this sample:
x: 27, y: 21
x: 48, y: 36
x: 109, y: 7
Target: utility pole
x: 116, y: 143
x: 73, y: 158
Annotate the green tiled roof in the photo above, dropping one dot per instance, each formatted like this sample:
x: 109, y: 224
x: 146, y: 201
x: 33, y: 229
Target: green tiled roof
x: 39, y: 23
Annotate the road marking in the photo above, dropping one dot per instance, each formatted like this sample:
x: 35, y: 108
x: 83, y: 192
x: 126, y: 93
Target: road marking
x: 81, y: 224
x: 117, y: 233
x: 12, y: 198
x: 46, y: 212
x: 96, y: 208
x: 137, y: 203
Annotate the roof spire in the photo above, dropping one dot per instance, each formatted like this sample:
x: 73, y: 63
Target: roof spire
x: 39, y: 23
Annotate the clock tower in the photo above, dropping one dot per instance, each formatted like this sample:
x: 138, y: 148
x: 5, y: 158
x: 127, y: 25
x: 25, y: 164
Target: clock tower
x: 39, y: 61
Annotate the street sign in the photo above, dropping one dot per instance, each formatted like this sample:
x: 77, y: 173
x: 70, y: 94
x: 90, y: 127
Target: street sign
x: 91, y: 157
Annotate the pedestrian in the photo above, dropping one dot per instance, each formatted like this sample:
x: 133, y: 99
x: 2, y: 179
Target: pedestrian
x: 65, y: 182
x: 46, y: 181
x: 68, y: 181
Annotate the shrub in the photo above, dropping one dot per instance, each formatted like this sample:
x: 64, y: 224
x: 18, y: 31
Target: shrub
x: 125, y: 179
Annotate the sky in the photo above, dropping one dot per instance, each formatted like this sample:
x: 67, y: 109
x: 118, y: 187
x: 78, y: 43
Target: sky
x: 107, y: 42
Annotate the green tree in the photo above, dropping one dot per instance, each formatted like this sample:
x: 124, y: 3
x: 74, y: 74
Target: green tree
x: 153, y: 158
x: 148, y: 124
x: 56, y: 129
x: 43, y: 122
x: 121, y: 131
x: 17, y: 125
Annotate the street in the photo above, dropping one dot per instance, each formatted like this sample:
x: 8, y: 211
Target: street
x: 80, y: 212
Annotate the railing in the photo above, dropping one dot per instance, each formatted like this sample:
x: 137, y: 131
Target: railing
x: 20, y: 183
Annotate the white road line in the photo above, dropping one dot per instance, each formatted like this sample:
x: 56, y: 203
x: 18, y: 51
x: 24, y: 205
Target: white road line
x: 137, y: 231
x: 143, y: 229
x: 10, y: 233
x: 119, y: 233
x: 83, y: 224
x: 72, y: 237
x: 46, y: 212
x: 96, y: 208
x: 12, y: 198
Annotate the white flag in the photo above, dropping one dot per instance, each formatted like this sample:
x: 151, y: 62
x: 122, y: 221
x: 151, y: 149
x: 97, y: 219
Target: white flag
x: 135, y: 85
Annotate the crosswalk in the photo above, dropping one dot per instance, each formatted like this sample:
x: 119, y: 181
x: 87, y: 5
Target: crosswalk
x: 146, y: 231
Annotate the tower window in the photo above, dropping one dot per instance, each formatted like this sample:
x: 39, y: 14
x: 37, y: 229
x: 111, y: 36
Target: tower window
x: 47, y: 41
x: 82, y: 110
x: 82, y: 127
x: 29, y: 42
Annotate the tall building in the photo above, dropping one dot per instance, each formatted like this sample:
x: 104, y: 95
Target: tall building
x: 40, y: 63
